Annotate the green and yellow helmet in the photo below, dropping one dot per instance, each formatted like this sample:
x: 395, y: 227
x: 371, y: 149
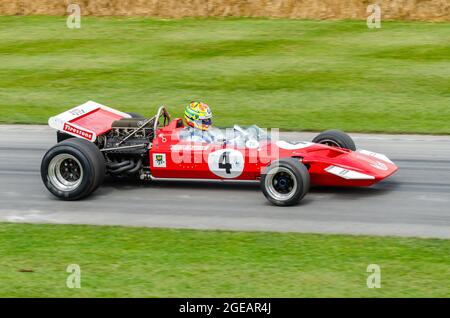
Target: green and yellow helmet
x: 198, y: 115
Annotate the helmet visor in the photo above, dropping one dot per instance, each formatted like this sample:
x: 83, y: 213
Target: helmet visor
x: 203, y: 123
x: 206, y: 122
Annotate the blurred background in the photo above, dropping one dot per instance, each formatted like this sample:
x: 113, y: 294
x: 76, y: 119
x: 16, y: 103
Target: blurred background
x: 274, y: 70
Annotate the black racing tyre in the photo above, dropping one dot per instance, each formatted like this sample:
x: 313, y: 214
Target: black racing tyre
x: 335, y: 138
x: 285, y: 182
x: 135, y: 115
x: 73, y: 169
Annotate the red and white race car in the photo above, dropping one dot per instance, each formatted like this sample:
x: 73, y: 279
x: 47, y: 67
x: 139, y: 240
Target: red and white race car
x: 95, y: 140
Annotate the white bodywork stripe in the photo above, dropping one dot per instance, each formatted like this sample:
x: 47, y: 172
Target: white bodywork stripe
x: 375, y: 155
x: 348, y: 174
x: 293, y: 146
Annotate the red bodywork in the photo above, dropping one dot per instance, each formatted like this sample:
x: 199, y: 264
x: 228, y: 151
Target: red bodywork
x: 86, y: 121
x: 187, y: 160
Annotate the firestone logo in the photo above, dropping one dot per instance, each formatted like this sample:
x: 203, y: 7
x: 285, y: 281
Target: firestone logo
x: 78, y: 132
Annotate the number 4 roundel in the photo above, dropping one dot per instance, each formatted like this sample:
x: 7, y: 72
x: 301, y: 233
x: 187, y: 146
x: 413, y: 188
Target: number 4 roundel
x: 226, y: 163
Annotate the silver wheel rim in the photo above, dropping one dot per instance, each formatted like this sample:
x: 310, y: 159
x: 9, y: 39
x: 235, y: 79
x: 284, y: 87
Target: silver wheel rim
x: 273, y: 176
x: 65, y: 172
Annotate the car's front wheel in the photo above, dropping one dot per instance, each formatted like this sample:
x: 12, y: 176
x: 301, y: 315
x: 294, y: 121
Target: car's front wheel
x: 73, y: 169
x: 335, y: 138
x: 285, y: 182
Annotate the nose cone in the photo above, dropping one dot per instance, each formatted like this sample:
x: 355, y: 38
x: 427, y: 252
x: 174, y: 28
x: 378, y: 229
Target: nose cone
x: 371, y: 163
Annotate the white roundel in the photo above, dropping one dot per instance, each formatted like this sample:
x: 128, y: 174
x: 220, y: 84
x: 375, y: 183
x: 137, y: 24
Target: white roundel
x: 226, y: 163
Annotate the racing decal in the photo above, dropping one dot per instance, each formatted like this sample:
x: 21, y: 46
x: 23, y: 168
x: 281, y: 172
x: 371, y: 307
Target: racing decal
x: 226, y: 163
x: 78, y: 131
x: 189, y: 147
x: 379, y: 165
x: 348, y: 174
x: 77, y: 111
x: 163, y: 139
x: 159, y: 160
x: 293, y: 145
x: 375, y: 155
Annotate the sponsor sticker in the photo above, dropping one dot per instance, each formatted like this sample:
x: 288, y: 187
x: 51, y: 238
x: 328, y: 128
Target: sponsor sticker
x: 159, y: 160
x: 76, y: 131
x: 189, y: 147
x: 77, y: 111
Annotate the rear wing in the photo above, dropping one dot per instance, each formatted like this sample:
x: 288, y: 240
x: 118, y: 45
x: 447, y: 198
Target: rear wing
x: 86, y: 121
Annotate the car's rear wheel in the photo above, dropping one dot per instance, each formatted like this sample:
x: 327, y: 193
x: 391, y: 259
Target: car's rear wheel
x: 285, y: 182
x: 335, y: 138
x: 73, y: 169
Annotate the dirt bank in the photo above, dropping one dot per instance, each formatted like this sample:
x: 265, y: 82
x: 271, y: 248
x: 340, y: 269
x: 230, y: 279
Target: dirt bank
x: 429, y: 10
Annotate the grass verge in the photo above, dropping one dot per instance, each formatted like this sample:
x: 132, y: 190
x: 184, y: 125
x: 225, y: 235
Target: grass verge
x: 142, y: 262
x: 289, y: 74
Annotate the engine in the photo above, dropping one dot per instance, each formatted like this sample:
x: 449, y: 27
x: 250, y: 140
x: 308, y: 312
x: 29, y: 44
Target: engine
x: 126, y: 146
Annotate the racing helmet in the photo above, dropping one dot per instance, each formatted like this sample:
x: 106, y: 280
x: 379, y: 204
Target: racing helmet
x: 198, y: 115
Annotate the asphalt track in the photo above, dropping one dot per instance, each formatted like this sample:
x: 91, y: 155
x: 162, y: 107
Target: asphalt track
x: 413, y: 202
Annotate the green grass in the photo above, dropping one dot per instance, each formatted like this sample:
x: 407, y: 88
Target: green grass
x: 139, y: 262
x: 290, y: 74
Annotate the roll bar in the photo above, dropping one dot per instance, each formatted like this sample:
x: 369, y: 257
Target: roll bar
x: 162, y: 111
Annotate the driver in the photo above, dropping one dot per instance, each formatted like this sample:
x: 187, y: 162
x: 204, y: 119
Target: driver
x: 198, y: 118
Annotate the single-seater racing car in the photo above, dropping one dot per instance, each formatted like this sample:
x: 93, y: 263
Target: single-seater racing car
x: 95, y: 140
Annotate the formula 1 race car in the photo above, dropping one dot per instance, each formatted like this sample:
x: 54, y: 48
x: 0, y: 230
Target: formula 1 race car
x: 95, y: 140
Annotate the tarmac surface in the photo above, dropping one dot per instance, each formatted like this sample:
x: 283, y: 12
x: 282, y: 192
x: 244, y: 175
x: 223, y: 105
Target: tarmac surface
x: 413, y: 202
